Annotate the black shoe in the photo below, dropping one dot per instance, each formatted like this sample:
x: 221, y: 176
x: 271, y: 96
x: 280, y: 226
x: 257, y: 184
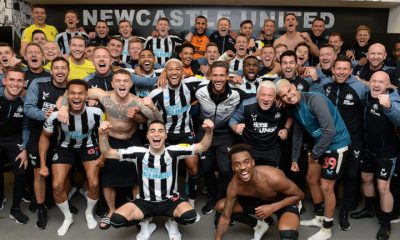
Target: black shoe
x: 269, y: 220
x: 101, y: 209
x: 33, y: 206
x: 344, y: 223
x: 383, y: 233
x: 18, y: 216
x: 365, y: 213
x: 41, y: 223
x: 209, y: 206
x: 72, y: 208
x: 395, y: 219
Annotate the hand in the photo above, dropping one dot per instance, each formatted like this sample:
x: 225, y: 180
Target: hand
x: 104, y: 128
x: 204, y: 69
x: 162, y: 80
x: 295, y: 167
x: 238, y: 129
x: 350, y: 54
x: 100, y: 161
x: 251, y: 44
x: 306, y: 37
x: 63, y: 115
x: 155, y: 33
x: 264, y: 211
x: 92, y: 35
x: 23, y: 157
x: 384, y: 100
x: 208, y: 125
x: 230, y: 54
x: 14, y: 61
x: 233, y: 34
x: 138, y: 71
x: 44, y: 171
x: 311, y: 72
x: 92, y: 102
x: 132, y: 111
x: 49, y: 112
x: 283, y: 133
x: 147, y: 101
x: 237, y: 79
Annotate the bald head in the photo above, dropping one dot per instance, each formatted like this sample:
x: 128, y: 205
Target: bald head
x: 376, y: 55
x: 379, y: 83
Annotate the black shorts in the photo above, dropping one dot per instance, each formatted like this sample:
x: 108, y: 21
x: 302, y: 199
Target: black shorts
x: 269, y: 157
x: 70, y: 155
x: 120, y: 173
x: 249, y: 204
x: 174, y: 139
x: 10, y: 149
x: 332, y: 162
x: 154, y: 209
x: 383, y: 167
x: 33, y: 149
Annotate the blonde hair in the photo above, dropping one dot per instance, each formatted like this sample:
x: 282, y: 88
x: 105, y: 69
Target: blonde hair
x: 280, y: 84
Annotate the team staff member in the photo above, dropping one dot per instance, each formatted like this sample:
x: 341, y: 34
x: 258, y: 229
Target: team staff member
x: 157, y: 167
x: 78, y: 142
x: 39, y: 104
x: 39, y: 18
x: 319, y: 117
x: 79, y: 66
x: 382, y: 149
x: 260, y: 191
x: 14, y: 135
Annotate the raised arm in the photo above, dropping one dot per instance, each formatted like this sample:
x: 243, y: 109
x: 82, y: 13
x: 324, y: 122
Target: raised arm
x: 205, y: 143
x: 104, y: 145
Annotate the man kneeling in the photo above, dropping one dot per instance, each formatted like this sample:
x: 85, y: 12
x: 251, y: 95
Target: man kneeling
x: 260, y: 191
x: 157, y: 168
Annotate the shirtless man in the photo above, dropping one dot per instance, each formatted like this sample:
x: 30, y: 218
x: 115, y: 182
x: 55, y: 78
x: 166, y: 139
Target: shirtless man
x: 120, y: 107
x: 260, y: 191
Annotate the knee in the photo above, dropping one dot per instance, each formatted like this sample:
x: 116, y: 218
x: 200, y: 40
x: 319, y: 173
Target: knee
x: 327, y: 187
x: 187, y: 217
x: 117, y: 220
x: 288, y: 234
x: 58, y: 187
x: 383, y: 187
x: 93, y: 185
x: 367, y: 178
x: 311, y: 179
x: 219, y: 207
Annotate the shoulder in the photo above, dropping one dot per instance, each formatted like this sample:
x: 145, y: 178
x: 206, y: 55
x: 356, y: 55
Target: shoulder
x: 249, y: 101
x: 94, y: 110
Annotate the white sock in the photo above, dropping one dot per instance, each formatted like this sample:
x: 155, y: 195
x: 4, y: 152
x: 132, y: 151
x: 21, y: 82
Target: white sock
x: 91, y: 222
x: 67, y: 218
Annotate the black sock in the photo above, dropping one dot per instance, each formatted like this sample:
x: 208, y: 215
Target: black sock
x: 386, y: 217
x: 327, y: 224
x: 319, y: 209
x: 369, y: 203
x: 40, y: 206
x: 192, y: 184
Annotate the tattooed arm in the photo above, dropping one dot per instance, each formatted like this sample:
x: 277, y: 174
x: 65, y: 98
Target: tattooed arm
x: 104, y: 145
x: 150, y: 110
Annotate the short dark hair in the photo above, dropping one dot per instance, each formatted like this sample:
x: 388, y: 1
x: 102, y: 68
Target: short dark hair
x: 240, y: 148
x: 149, y: 50
x: 38, y: 6
x: 102, y: 21
x: 301, y: 44
x: 58, y: 59
x: 332, y: 34
x: 342, y: 58
x: 222, y: 64
x: 4, y: 44
x: 77, y: 82
x: 318, y: 19
x: 202, y: 17
x: 38, y: 31
x: 289, y: 53
x: 224, y: 18
x: 327, y: 45
x: 289, y: 14
x: 186, y: 45
x: 117, y: 38
x: 163, y: 19
x: 124, y: 20
x: 250, y: 57
x: 156, y: 121
x: 13, y: 69
x: 246, y: 22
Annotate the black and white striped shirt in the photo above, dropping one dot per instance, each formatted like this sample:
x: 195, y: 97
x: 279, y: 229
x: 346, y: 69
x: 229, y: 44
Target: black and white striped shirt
x: 175, y: 104
x: 235, y: 65
x: 125, y: 57
x: 81, y: 131
x: 157, y: 173
x: 163, y: 48
x: 62, y: 39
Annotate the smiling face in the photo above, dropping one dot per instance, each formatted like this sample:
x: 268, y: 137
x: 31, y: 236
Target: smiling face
x: 289, y: 94
x: 34, y: 57
x: 39, y: 38
x: 376, y: 55
x: 336, y: 42
x: 134, y: 50
x: 6, y: 54
x: 379, y: 83
x: 125, y: 29
x: 223, y: 27
x: 318, y: 27
x: 77, y: 96
x: 186, y: 56
x: 290, y: 23
x: 243, y: 165
x: 102, y: 61
x: 341, y: 71
x: 101, y: 29
x: 269, y: 28
x: 219, y: 78
x: 51, y: 51
x: 13, y: 83
x: 302, y: 55
x: 268, y: 56
x: 200, y: 26
x: 174, y: 73
x: 362, y: 37
x: 212, y: 54
x: 71, y: 20
x: 59, y: 72
x: 247, y: 29
x: 163, y: 28
x: 266, y: 97
x: 288, y: 65
x: 279, y: 51
x: 241, y: 44
x: 39, y: 16
x: 146, y: 61
x: 115, y: 48
x: 250, y: 68
x: 327, y: 57
x: 156, y: 135
x: 77, y: 47
x: 121, y: 83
